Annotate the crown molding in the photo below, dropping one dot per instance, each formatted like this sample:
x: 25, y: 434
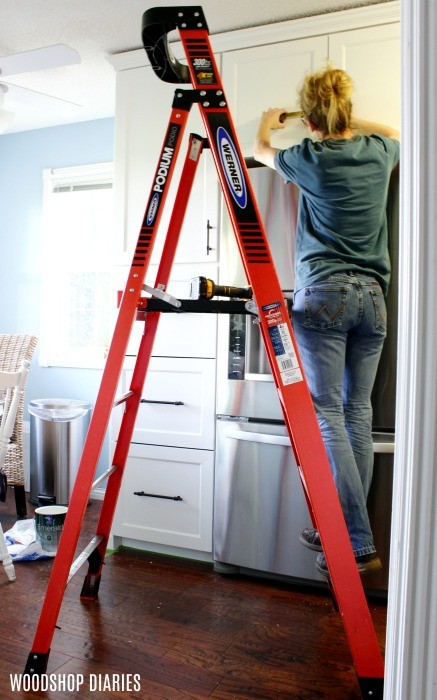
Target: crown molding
x: 327, y: 23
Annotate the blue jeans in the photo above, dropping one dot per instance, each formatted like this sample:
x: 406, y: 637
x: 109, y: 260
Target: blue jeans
x: 340, y: 326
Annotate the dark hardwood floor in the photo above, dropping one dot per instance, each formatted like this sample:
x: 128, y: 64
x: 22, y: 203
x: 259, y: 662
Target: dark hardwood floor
x: 187, y: 631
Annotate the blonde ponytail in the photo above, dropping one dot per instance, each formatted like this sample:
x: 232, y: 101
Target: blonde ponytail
x: 325, y: 98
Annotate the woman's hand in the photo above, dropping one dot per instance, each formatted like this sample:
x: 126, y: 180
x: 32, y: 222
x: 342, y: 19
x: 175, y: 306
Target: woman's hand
x: 365, y: 127
x: 271, y: 118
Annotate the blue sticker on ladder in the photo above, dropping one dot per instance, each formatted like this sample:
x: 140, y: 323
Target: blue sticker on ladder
x: 153, y: 208
x: 232, y: 167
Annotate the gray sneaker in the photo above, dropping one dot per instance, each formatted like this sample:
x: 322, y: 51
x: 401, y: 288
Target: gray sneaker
x: 311, y: 539
x: 366, y: 564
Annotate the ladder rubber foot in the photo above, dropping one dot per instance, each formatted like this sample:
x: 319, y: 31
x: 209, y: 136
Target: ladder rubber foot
x: 36, y: 664
x: 90, y: 588
x: 371, y: 688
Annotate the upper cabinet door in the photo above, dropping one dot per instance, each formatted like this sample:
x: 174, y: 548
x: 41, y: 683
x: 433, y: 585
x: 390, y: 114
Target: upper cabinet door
x: 143, y: 110
x: 372, y: 57
x: 269, y: 76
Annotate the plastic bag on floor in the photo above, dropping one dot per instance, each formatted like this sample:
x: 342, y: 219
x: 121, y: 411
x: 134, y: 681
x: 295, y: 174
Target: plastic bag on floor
x: 22, y: 543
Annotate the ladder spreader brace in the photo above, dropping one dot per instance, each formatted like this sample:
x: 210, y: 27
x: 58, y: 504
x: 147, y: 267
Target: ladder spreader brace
x: 299, y: 415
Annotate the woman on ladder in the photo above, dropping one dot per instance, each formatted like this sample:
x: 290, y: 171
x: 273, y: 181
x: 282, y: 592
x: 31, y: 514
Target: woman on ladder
x: 342, y: 275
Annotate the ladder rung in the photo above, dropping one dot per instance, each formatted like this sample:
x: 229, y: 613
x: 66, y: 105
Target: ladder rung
x: 82, y: 558
x: 104, y: 476
x: 122, y: 399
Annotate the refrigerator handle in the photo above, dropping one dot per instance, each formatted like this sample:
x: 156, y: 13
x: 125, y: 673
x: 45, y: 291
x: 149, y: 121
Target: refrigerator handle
x: 383, y: 447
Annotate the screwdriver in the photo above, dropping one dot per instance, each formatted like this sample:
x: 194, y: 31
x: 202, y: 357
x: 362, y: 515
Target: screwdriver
x: 290, y: 115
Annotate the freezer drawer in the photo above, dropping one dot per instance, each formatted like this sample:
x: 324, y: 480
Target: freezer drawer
x: 260, y: 507
x: 259, y: 504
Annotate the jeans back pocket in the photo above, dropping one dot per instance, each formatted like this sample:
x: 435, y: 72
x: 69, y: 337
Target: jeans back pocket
x: 380, y: 310
x: 324, y: 305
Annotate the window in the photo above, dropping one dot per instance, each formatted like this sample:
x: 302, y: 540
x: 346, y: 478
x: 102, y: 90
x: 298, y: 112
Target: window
x: 78, y: 304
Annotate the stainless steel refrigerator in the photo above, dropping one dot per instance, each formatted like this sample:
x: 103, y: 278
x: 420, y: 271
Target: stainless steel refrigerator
x: 259, y: 504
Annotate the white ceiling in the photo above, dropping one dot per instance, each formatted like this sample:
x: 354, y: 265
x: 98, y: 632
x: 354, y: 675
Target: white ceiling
x: 99, y: 28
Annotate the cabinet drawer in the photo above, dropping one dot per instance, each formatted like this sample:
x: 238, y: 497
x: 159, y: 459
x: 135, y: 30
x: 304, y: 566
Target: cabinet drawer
x: 178, y: 508
x: 178, y: 334
x: 179, y: 403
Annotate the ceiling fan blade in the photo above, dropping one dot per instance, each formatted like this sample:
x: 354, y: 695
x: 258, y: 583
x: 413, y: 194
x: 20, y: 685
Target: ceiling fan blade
x: 33, y: 99
x: 38, y: 59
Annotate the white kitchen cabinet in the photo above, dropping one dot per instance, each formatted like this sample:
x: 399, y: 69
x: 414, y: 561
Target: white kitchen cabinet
x: 177, y: 510
x: 143, y: 109
x: 173, y: 439
x: 269, y: 76
x: 179, y: 403
x: 372, y: 57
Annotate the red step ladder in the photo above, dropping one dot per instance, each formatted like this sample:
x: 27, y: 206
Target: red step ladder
x: 202, y: 73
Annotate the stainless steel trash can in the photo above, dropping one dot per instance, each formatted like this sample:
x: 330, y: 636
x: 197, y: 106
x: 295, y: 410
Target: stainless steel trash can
x: 58, y: 429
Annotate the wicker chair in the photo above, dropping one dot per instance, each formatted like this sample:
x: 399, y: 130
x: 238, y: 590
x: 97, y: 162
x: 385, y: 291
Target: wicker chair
x: 14, y: 349
x: 12, y: 384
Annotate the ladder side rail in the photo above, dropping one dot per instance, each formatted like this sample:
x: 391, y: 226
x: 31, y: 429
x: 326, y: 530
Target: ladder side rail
x: 92, y: 579
x: 293, y: 392
x: 38, y: 657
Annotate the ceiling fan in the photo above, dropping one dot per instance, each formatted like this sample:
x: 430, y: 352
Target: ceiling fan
x: 55, y: 56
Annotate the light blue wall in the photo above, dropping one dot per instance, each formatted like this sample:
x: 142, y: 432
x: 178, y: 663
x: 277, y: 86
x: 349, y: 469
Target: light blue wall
x: 23, y: 156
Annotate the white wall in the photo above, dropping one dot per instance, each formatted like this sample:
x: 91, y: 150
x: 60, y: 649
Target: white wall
x: 23, y: 156
x: 411, y: 668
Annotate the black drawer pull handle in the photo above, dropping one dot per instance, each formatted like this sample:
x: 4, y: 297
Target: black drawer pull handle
x: 157, y: 495
x: 169, y: 403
